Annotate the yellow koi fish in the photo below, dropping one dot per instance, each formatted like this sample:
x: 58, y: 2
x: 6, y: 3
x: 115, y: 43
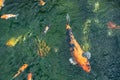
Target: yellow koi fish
x: 13, y: 41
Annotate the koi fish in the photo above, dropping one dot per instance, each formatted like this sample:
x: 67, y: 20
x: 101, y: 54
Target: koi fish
x: 46, y: 29
x: 21, y: 69
x: 7, y: 16
x: 42, y: 3
x: 112, y: 25
x: 76, y: 51
x: 2, y: 3
x: 30, y: 76
x: 13, y: 41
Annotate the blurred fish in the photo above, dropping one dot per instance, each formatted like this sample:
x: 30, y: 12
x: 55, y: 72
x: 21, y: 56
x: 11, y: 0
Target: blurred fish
x: 111, y: 25
x: 76, y: 50
x: 2, y: 3
x: 30, y: 76
x: 21, y: 69
x: 7, y: 16
x: 13, y: 41
x: 46, y: 29
x: 42, y: 3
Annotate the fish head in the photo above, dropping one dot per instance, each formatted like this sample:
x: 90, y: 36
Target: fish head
x: 86, y: 67
x: 29, y: 76
x: 25, y: 65
x: 68, y: 26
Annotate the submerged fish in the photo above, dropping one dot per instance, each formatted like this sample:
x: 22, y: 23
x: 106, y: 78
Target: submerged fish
x: 46, y: 29
x: 2, y: 3
x: 42, y: 3
x: 7, y: 16
x: 13, y: 41
x: 30, y: 76
x: 76, y: 50
x: 111, y: 25
x: 21, y: 69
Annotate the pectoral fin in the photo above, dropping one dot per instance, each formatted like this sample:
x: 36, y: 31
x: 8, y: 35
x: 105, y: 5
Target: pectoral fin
x: 87, y: 55
x: 72, y: 61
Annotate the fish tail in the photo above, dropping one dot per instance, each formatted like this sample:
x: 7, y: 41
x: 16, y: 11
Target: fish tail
x: 16, y: 75
x: 68, y: 18
x: 12, y: 79
x: 16, y: 16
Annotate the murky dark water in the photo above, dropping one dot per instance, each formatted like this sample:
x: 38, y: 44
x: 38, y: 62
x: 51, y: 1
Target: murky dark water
x: 91, y: 16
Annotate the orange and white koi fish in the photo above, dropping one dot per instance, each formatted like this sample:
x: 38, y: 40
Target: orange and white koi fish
x: 7, y: 16
x: 21, y: 69
x: 76, y: 51
x: 112, y: 25
x: 42, y: 3
x: 30, y: 76
x: 2, y: 3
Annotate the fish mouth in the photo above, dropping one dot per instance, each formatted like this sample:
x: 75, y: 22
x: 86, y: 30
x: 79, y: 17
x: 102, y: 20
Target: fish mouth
x: 87, y: 68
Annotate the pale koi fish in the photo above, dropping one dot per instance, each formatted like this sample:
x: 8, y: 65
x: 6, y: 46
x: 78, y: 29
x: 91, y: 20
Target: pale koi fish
x: 112, y: 25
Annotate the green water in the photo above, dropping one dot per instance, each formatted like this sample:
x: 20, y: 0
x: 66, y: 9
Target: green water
x: 104, y: 47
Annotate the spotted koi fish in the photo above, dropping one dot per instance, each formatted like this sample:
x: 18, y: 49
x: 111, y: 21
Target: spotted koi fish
x: 76, y: 50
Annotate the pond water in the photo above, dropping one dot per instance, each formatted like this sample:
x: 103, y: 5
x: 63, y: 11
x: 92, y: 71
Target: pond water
x: 88, y: 20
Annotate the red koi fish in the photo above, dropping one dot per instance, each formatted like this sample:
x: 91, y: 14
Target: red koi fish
x: 46, y: 29
x: 76, y: 51
x: 112, y: 25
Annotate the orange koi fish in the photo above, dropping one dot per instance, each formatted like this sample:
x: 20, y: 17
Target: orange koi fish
x: 112, y: 25
x: 42, y: 3
x: 21, y: 69
x: 76, y: 51
x: 7, y: 16
x: 30, y: 76
x: 2, y: 3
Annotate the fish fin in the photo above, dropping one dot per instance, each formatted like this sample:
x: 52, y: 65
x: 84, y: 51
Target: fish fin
x: 87, y: 55
x: 16, y: 16
x: 3, y: 5
x: 12, y: 79
x: 68, y: 18
x: 72, y: 61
